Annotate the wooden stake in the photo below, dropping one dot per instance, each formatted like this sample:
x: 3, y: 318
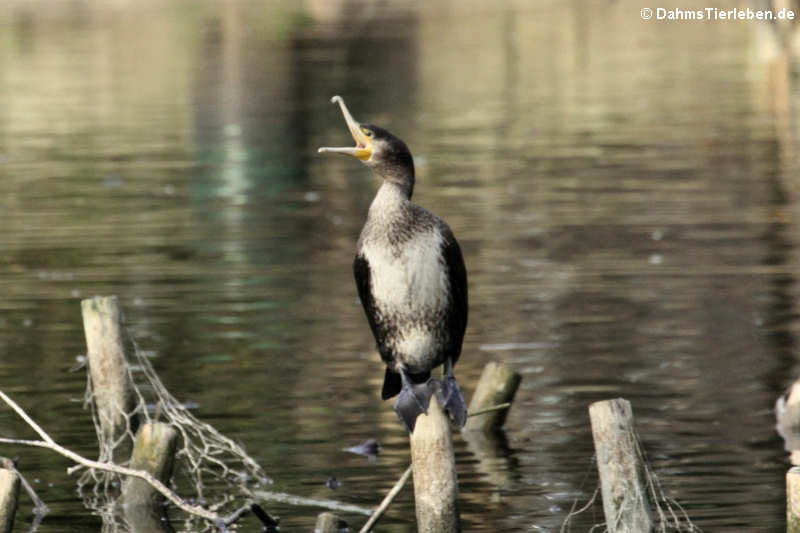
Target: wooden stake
x: 433, y: 464
x: 9, y: 492
x: 111, y: 386
x: 153, y: 452
x: 622, y: 476
x: 498, y: 384
x: 793, y: 500
x: 329, y: 523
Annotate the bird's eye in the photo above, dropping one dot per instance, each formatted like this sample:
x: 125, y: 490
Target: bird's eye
x: 367, y: 132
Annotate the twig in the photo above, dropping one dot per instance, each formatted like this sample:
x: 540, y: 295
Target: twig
x: 267, y: 521
x: 386, y: 501
x: 22, y: 414
x: 498, y: 407
x: 71, y: 470
x: 37, y: 521
x: 282, y: 497
x: 238, y: 513
x: 573, y: 512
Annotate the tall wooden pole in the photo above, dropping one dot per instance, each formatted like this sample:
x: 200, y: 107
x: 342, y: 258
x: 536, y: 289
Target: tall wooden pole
x: 623, y: 482
x: 112, y: 389
x: 434, y: 471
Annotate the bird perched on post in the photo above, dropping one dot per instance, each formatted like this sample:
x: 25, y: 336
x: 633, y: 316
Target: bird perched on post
x: 411, y: 280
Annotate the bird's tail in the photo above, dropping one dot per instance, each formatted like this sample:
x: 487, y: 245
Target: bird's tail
x: 392, y: 383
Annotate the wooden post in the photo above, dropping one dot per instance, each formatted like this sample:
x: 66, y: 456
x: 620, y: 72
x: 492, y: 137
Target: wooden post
x: 788, y: 412
x: 329, y: 523
x: 112, y: 389
x: 498, y: 384
x: 153, y: 451
x: 9, y: 492
x: 793, y: 500
x: 623, y: 483
x: 433, y: 463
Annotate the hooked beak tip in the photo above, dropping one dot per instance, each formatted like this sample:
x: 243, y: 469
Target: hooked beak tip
x: 363, y: 148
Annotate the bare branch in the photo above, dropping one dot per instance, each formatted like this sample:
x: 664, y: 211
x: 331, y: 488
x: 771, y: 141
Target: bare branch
x: 498, y: 407
x: 82, y: 462
x: 50, y: 444
x: 282, y: 497
x: 11, y: 403
x: 386, y: 501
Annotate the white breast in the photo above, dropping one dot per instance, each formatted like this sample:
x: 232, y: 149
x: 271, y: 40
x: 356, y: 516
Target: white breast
x: 409, y: 279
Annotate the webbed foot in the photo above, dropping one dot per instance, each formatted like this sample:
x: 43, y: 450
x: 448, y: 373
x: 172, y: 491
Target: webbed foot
x: 413, y: 400
x: 449, y: 395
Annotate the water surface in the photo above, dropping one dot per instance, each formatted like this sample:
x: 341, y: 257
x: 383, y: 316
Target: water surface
x: 624, y: 194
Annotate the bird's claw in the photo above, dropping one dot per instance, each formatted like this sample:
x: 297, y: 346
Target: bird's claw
x: 449, y: 395
x: 413, y: 400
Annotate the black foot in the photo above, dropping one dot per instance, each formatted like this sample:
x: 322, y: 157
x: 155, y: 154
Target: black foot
x: 412, y: 401
x: 452, y: 401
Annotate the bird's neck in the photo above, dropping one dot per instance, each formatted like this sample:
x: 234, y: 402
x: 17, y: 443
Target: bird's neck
x: 390, y: 199
x: 399, y: 176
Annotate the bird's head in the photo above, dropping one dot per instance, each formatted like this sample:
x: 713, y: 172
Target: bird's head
x: 385, y: 154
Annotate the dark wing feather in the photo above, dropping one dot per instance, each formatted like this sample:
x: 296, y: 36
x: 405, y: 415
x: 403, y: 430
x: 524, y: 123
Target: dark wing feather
x: 458, y: 304
x: 362, y: 273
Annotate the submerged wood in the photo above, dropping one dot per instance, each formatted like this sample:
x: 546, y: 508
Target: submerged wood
x: 112, y: 389
x: 434, y: 470
x: 141, y: 519
x: 153, y: 452
x: 793, y: 500
x: 291, y: 499
x: 498, y: 384
x: 623, y: 482
x: 328, y: 522
x: 9, y: 493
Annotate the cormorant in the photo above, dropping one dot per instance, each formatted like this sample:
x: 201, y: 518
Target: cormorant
x: 411, y: 280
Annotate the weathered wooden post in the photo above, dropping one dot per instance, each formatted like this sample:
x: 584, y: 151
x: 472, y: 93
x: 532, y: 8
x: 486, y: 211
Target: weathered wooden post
x: 623, y: 483
x: 498, y: 384
x: 329, y: 523
x: 153, y: 452
x: 793, y: 500
x: 434, y: 471
x: 112, y: 389
x: 9, y: 492
x: 788, y: 411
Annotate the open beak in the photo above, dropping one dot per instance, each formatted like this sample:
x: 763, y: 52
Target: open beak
x: 363, y: 148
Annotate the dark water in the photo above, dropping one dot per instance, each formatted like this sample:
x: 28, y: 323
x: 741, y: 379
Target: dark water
x: 624, y: 191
